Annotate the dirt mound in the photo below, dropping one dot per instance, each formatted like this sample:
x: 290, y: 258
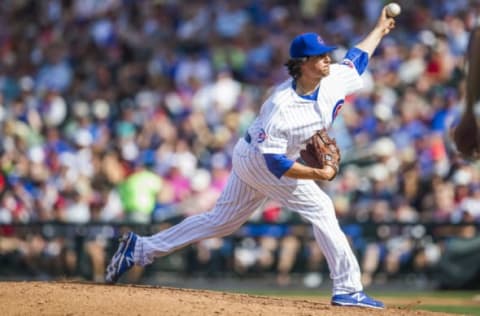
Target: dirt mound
x: 68, y: 298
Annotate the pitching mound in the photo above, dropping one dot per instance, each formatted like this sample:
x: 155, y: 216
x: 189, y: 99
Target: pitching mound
x: 57, y: 298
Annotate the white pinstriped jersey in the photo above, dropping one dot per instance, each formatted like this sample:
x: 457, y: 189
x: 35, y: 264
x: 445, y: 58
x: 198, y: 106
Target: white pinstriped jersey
x: 287, y: 120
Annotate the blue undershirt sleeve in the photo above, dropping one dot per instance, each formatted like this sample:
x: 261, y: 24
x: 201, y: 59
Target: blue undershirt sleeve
x: 359, y: 58
x: 278, y: 164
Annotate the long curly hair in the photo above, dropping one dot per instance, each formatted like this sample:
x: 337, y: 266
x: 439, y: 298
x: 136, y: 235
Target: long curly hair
x: 293, y: 66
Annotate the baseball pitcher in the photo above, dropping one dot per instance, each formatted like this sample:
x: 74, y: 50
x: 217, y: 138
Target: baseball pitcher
x: 293, y: 119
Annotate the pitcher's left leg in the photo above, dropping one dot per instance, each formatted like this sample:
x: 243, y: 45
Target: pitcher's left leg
x: 235, y: 205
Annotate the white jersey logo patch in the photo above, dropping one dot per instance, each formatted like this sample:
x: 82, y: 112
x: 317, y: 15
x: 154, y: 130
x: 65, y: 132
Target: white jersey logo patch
x: 262, y: 136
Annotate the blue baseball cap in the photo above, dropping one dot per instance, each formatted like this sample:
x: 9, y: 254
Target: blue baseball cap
x: 309, y: 44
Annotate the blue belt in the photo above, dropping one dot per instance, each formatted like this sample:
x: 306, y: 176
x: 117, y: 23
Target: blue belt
x: 247, y: 137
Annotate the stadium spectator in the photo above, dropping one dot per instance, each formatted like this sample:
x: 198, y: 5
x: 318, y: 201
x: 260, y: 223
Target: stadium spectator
x: 92, y: 90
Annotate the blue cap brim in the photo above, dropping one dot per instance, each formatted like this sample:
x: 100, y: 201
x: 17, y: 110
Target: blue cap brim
x: 326, y: 49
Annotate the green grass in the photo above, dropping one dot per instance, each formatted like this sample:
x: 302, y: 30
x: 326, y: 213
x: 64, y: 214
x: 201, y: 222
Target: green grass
x: 413, y: 295
x: 436, y: 294
x: 463, y: 310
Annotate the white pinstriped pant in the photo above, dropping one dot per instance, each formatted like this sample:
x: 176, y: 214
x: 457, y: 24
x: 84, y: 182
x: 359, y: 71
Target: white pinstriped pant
x: 249, y: 185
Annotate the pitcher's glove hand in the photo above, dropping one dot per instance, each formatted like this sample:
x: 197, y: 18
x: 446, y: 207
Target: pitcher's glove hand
x: 322, y: 151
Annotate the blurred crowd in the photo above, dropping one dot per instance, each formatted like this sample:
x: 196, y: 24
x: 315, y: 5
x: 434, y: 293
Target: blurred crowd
x: 123, y: 110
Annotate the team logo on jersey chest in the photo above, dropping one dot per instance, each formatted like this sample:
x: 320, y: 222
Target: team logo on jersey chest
x: 262, y: 136
x: 337, y: 108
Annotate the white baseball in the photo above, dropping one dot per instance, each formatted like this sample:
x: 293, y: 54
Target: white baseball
x: 393, y: 9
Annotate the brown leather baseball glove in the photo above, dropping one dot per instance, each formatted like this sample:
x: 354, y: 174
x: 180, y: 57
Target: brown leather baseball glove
x: 322, y: 150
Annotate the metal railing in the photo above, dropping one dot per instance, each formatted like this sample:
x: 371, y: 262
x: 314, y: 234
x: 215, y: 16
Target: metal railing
x: 21, y: 245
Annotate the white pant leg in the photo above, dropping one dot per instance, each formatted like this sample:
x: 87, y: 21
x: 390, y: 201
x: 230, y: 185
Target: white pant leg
x: 343, y: 265
x: 235, y: 205
x: 314, y: 205
x: 306, y: 198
